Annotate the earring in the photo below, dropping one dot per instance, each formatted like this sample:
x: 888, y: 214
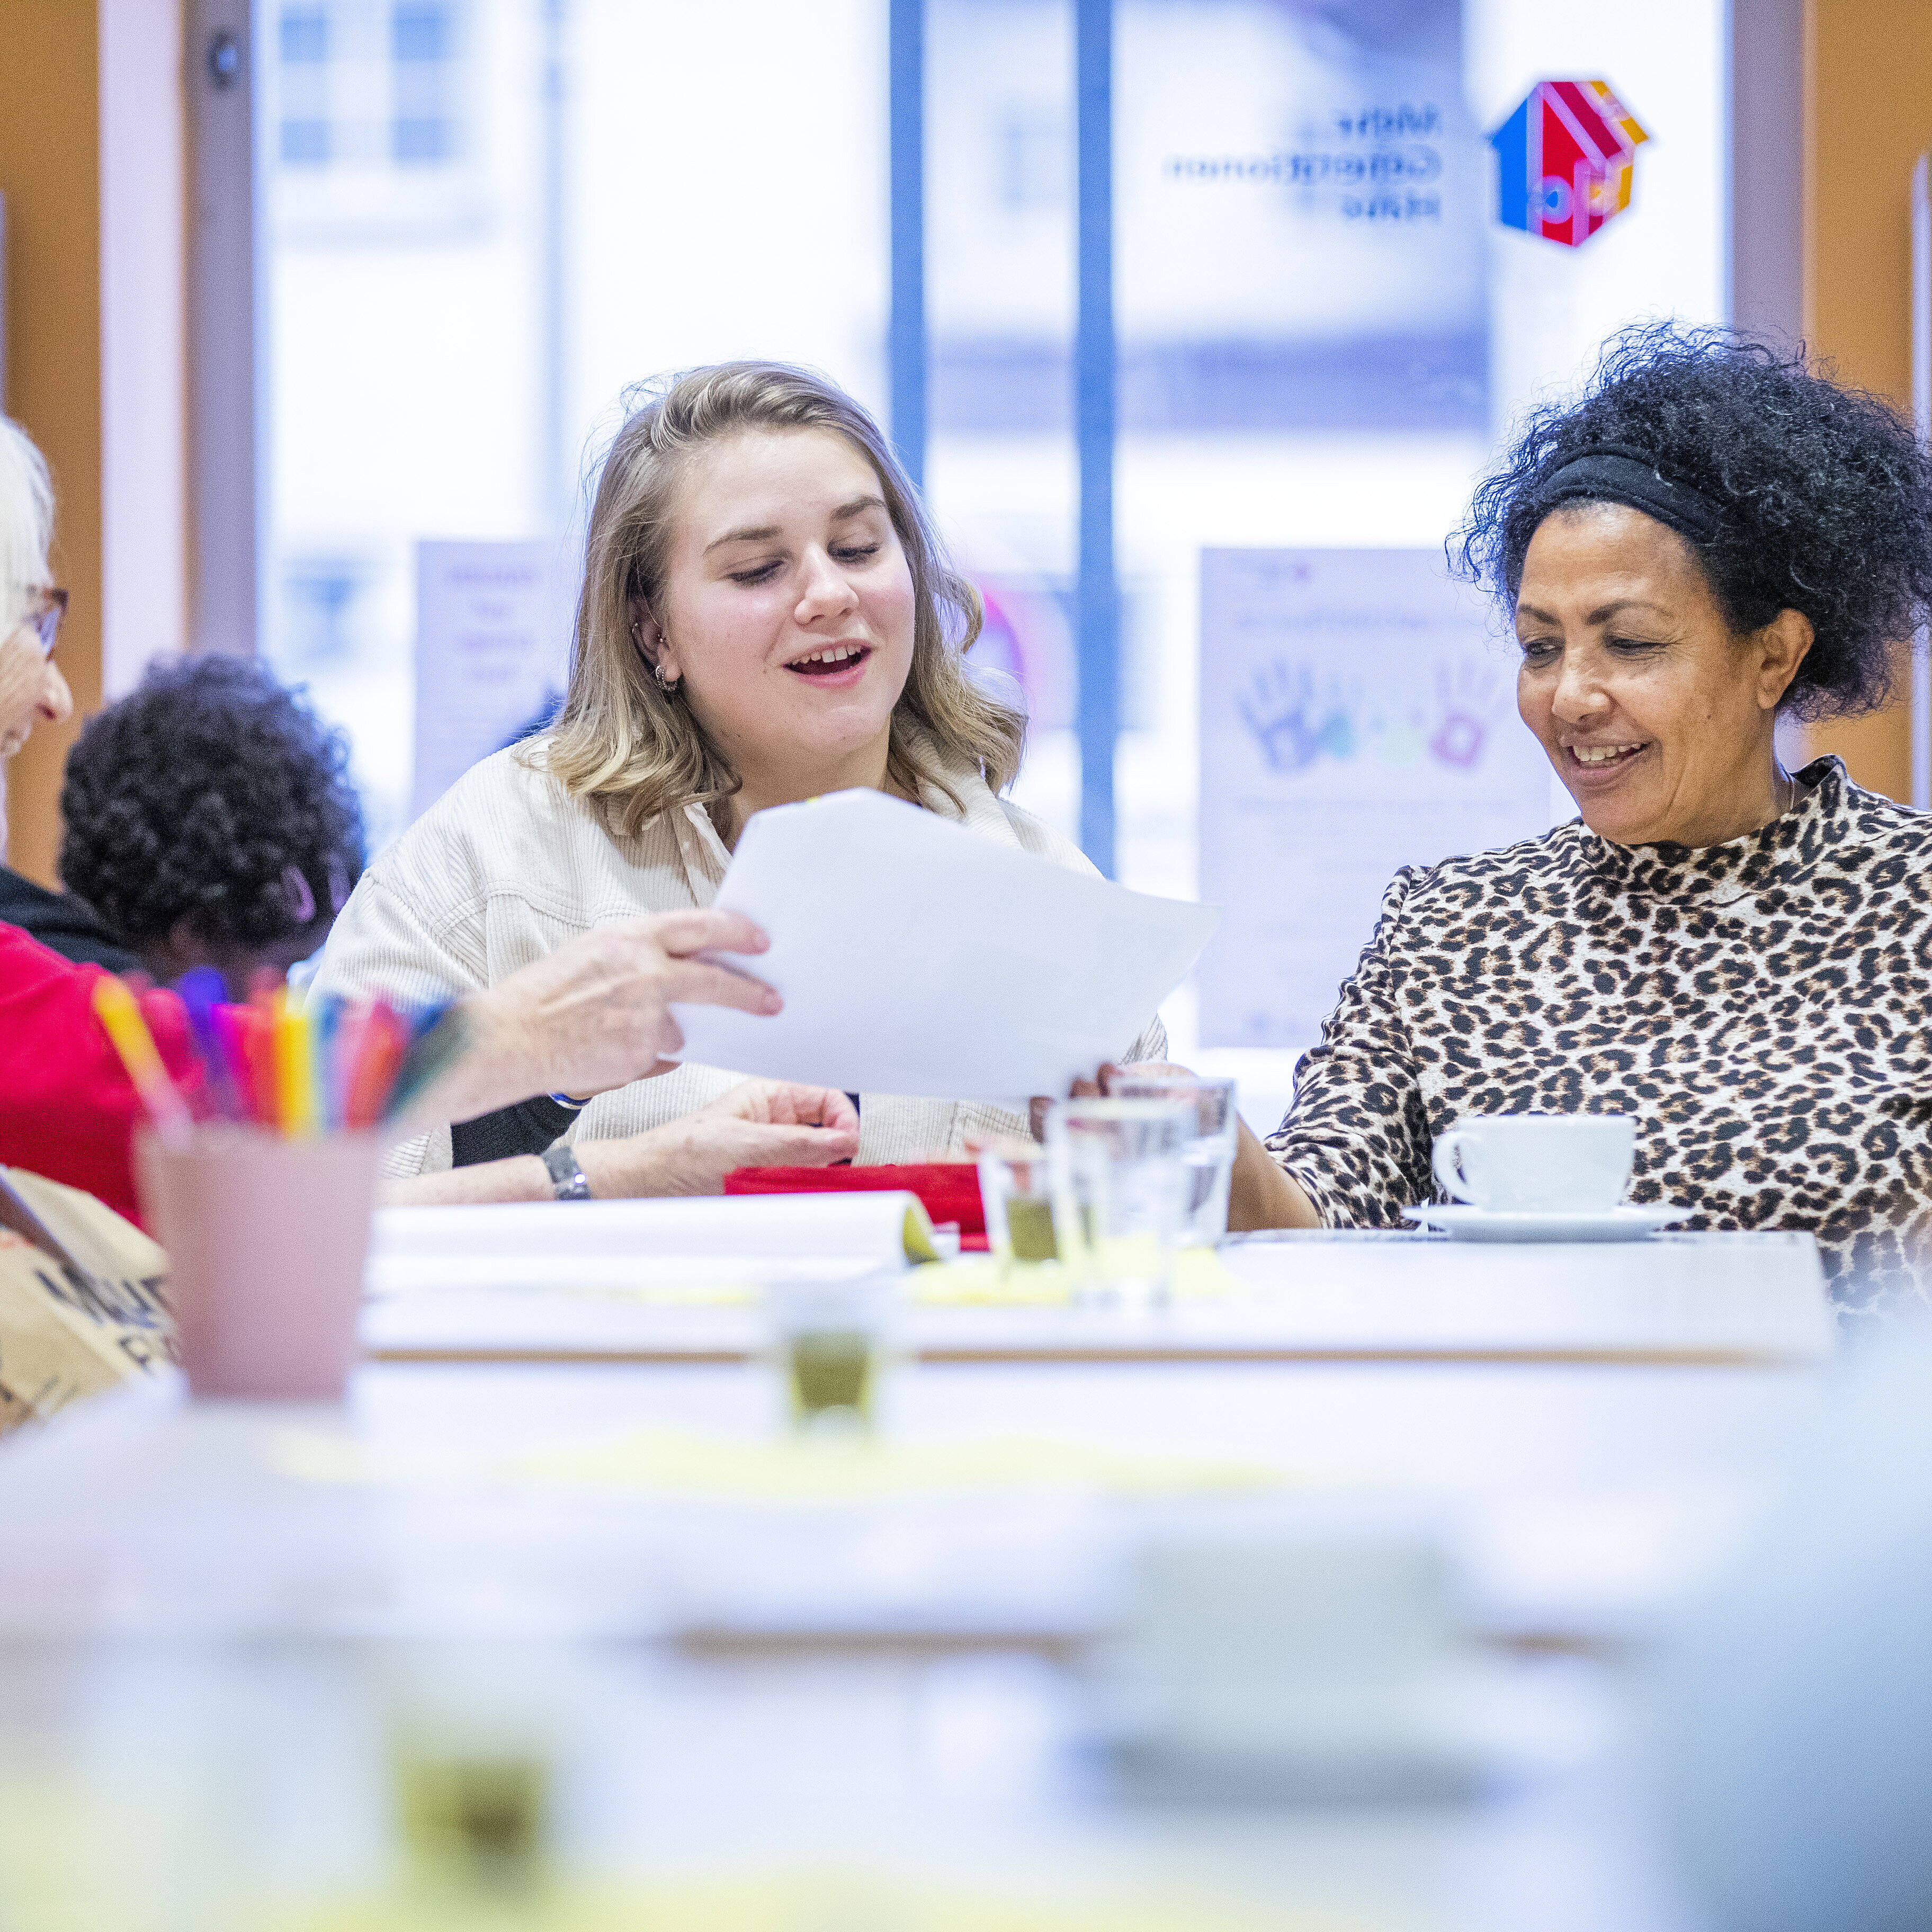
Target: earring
x: 668, y: 686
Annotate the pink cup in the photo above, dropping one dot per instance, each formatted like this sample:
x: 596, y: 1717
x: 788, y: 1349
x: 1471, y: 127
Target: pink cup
x: 266, y: 1241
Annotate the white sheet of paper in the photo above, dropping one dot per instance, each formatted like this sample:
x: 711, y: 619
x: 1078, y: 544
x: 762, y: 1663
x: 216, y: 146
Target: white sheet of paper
x: 916, y: 957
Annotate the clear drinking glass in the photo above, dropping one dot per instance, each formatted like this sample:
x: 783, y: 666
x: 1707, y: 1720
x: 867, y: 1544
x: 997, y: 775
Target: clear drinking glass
x: 1207, y: 1153
x: 1118, y: 1183
x: 830, y: 1342
x: 1016, y: 1188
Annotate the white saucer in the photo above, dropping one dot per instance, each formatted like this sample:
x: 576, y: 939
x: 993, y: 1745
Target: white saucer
x: 1462, y: 1223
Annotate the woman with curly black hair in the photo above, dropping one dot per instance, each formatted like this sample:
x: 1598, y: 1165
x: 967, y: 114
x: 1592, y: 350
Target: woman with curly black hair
x: 1737, y: 955
x: 210, y: 821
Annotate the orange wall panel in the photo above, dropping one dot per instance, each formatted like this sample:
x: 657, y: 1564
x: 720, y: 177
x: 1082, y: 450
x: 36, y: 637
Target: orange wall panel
x: 1868, y: 118
x: 50, y: 175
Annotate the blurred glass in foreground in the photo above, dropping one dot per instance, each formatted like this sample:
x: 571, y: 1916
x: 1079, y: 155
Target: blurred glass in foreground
x: 1207, y: 1147
x: 830, y: 1340
x: 1792, y: 1734
x: 1016, y: 1187
x: 1118, y: 1183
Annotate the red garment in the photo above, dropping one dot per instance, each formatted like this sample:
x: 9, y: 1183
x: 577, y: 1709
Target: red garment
x: 68, y: 1109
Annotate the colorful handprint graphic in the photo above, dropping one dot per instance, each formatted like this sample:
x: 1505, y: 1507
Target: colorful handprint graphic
x: 1467, y: 702
x: 1290, y: 724
x: 1294, y: 723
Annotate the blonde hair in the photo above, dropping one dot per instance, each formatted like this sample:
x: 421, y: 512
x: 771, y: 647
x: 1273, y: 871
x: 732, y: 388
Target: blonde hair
x: 26, y: 522
x: 635, y: 750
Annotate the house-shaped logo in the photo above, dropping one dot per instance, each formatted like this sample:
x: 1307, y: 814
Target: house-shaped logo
x: 1564, y: 159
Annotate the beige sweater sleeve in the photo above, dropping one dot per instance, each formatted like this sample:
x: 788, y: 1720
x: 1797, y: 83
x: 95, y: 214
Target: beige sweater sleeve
x: 385, y: 946
x: 382, y: 947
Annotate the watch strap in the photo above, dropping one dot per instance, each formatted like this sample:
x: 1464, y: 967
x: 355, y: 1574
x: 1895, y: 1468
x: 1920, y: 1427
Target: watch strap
x: 568, y: 1182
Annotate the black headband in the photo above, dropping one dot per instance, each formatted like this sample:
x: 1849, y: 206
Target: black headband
x: 1612, y: 474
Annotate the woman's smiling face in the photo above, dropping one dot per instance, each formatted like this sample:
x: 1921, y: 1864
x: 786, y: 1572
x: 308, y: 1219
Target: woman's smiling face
x: 788, y: 606
x: 1657, y: 719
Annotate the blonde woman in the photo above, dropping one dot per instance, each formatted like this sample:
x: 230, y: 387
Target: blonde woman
x: 765, y: 616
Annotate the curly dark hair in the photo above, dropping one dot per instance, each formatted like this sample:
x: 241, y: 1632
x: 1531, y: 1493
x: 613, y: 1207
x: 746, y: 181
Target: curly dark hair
x: 1824, y: 493
x: 212, y: 795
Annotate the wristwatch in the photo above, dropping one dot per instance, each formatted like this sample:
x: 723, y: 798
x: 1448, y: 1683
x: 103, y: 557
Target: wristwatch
x: 566, y: 1174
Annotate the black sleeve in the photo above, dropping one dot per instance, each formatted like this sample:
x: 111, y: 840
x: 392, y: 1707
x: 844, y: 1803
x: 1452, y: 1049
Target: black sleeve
x: 62, y: 923
x: 529, y: 1127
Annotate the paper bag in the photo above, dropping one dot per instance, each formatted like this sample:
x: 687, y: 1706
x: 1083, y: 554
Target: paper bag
x: 82, y: 1306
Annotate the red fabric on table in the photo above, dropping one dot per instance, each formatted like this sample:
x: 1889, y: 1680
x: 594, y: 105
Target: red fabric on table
x: 948, y: 1189
x: 68, y: 1109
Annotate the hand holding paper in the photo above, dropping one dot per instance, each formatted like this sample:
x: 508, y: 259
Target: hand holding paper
x: 916, y: 957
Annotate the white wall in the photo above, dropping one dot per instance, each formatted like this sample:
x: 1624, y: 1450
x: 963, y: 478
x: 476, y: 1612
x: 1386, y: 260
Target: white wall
x: 1667, y: 62
x: 144, y: 429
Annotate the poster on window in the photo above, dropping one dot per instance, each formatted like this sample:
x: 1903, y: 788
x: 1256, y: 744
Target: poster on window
x: 1358, y: 714
x: 491, y: 650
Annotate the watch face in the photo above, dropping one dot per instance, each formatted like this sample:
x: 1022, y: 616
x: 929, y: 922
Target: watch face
x: 567, y: 1178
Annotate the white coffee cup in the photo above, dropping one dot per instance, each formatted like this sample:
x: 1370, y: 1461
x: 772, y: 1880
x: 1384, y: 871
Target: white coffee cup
x: 1538, y: 1163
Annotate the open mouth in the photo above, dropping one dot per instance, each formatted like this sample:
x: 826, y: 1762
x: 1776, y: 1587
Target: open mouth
x: 833, y: 660
x: 1603, y: 758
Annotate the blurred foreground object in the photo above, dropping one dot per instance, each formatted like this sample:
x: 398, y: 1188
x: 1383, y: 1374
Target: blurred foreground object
x: 81, y: 1306
x: 1794, y: 1729
x: 1016, y: 1197
x: 474, y: 1728
x: 1207, y: 1152
x: 830, y: 1339
x: 1319, y: 1669
x: 269, y: 1237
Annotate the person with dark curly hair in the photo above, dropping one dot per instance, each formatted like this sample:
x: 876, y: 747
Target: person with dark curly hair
x: 210, y: 821
x: 1738, y: 956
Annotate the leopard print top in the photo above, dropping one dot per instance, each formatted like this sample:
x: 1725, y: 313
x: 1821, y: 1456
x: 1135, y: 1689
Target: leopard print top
x: 1759, y: 1005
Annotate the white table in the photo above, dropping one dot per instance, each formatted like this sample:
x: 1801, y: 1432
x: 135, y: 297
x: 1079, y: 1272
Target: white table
x: 1691, y: 1301
x: 887, y: 1682
x: 1581, y: 1499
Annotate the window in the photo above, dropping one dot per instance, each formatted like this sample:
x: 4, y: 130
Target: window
x: 422, y: 286
x: 420, y: 138
x: 423, y: 46
x: 367, y: 85
x: 304, y: 46
x: 423, y: 35
x: 1035, y: 160
x: 514, y: 211
x: 304, y: 37
x: 304, y: 141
